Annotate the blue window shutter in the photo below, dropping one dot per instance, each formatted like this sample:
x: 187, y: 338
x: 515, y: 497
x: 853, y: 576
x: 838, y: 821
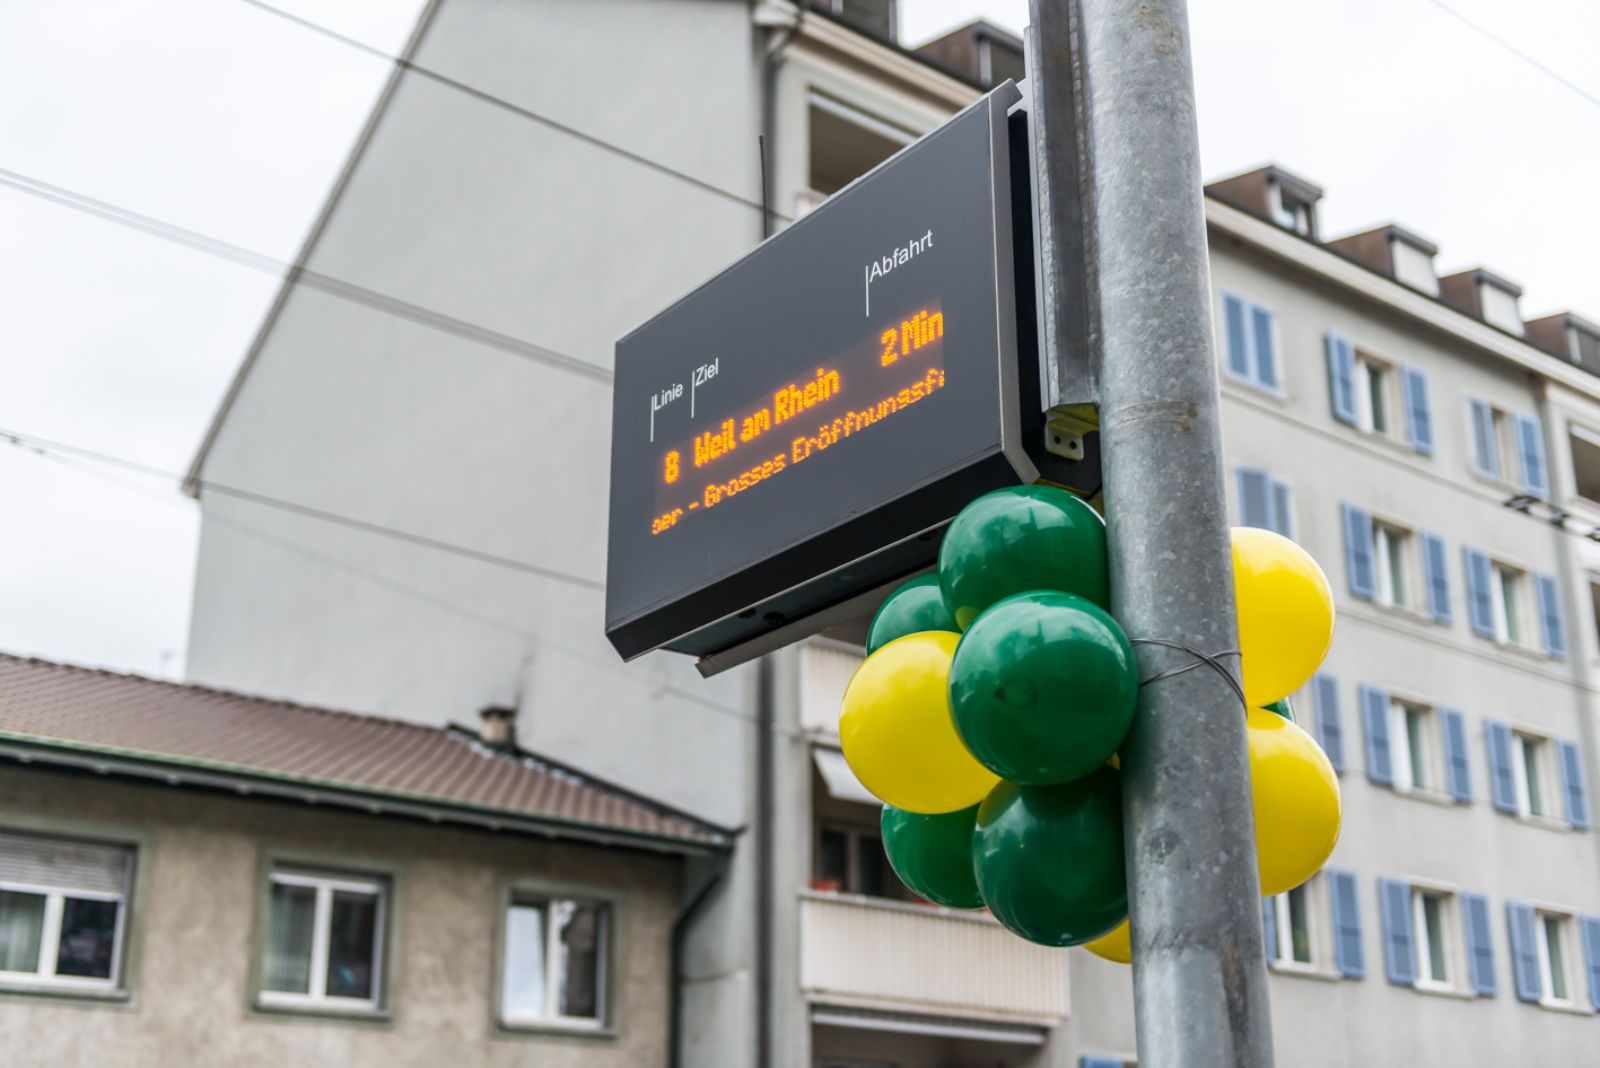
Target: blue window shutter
x: 1358, y: 552
x: 1485, y: 449
x: 1330, y: 731
x: 1436, y: 577
x: 1530, y: 456
x: 1502, y: 785
x: 1551, y: 630
x: 1457, y: 770
x: 1480, y: 944
x: 1399, y: 954
x: 1347, y: 954
x: 1375, y: 725
x: 1589, y: 933
x: 1255, y: 498
x: 1091, y: 1060
x: 1282, y: 509
x: 1524, y: 951
x: 1572, y: 785
x: 1266, y: 356
x: 1269, y: 926
x: 1419, y: 419
x: 1341, y: 377
x: 1238, y: 342
x: 1480, y: 610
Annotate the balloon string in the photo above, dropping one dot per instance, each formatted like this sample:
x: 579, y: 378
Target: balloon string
x: 1212, y: 661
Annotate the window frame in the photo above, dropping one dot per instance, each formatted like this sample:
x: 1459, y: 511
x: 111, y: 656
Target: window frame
x: 41, y: 981
x: 1522, y: 792
x: 1501, y: 603
x: 326, y: 881
x: 1318, y: 933
x: 1365, y: 366
x: 1384, y: 557
x: 1452, y: 931
x: 854, y: 834
x: 609, y: 992
x: 1590, y: 438
x: 551, y: 1018
x: 1566, y: 925
x: 1402, y: 756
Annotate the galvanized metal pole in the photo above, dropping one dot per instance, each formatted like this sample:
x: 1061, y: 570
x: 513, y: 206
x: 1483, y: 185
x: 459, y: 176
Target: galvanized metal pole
x: 1199, y: 974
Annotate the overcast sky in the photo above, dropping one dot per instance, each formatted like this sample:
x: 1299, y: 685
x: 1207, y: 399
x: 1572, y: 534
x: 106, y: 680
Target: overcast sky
x: 220, y: 118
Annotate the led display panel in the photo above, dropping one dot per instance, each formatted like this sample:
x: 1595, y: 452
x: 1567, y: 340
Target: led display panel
x: 800, y: 428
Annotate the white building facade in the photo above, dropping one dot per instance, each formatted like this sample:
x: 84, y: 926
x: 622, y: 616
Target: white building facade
x: 404, y: 512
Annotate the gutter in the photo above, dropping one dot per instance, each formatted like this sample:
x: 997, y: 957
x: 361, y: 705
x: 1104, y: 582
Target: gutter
x: 246, y: 783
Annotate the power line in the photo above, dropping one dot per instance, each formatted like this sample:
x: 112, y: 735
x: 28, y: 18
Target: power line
x: 1509, y: 47
x: 313, y: 279
x: 507, y: 105
x: 72, y: 456
x: 37, y: 444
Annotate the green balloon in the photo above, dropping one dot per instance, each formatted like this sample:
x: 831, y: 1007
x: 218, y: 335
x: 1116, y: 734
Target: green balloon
x: 1281, y: 707
x: 933, y: 855
x: 1018, y: 539
x: 1050, y: 860
x: 1043, y: 687
x: 913, y: 607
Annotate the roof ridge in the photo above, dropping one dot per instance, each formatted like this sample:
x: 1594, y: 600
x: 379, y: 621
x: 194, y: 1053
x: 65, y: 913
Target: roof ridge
x: 200, y: 687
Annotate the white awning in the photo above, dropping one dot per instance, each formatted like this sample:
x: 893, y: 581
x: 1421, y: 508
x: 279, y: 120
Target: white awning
x: 908, y: 1023
x: 839, y: 779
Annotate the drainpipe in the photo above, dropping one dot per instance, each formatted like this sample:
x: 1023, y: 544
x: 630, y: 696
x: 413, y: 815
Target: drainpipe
x: 771, y: 60
x: 680, y: 935
x: 1571, y: 573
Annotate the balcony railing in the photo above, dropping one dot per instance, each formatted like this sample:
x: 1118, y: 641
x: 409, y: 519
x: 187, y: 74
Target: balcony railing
x: 825, y: 669
x: 871, y: 953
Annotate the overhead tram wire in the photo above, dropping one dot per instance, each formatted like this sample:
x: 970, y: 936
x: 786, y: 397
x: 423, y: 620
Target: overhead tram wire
x: 83, y: 460
x: 510, y: 106
x: 336, y: 287
x: 29, y: 441
x: 1506, y: 45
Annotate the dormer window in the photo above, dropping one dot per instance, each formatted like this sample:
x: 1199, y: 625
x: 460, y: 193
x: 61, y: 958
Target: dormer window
x: 1291, y: 212
x: 1413, y: 266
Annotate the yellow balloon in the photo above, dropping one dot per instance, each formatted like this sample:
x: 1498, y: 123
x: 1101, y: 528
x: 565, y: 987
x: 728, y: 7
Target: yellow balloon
x: 1285, y: 614
x: 1295, y: 796
x: 897, y: 733
x: 1115, y: 946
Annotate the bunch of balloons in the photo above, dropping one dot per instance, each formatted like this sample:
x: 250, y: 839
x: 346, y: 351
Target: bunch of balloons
x: 997, y: 691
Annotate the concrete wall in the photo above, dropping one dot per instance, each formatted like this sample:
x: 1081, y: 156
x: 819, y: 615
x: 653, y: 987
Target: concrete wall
x: 195, y: 922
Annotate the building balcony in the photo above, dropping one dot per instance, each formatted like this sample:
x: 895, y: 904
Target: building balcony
x: 887, y: 956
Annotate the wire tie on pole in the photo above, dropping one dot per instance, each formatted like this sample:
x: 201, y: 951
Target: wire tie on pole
x: 1210, y: 660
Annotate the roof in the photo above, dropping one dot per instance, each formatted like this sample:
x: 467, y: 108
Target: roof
x: 187, y: 735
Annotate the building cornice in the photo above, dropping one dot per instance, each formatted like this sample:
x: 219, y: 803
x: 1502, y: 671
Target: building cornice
x: 1393, y: 296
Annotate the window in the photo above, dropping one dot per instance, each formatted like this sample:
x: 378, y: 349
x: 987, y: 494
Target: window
x: 1435, y: 949
x: 1552, y: 942
x: 1291, y: 212
x: 851, y: 860
x: 1594, y: 605
x: 1506, y: 599
x: 324, y: 941
x: 1411, y: 733
x: 555, y: 963
x: 1265, y: 502
x: 1250, y: 346
x: 846, y: 143
x: 1294, y: 937
x: 63, y: 912
x: 1585, y: 448
x: 1391, y: 548
x: 1498, y: 435
x: 1374, y: 396
x: 1530, y: 756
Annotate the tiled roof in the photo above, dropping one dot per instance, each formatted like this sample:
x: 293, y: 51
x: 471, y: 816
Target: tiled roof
x: 107, y: 721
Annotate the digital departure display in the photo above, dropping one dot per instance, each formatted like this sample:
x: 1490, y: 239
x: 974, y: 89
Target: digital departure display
x: 799, y: 429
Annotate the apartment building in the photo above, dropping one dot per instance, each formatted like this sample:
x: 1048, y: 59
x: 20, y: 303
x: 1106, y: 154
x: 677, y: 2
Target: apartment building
x: 189, y: 876
x: 404, y: 506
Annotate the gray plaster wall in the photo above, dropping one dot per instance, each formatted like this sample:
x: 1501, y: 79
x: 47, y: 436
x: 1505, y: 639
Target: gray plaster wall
x: 196, y: 922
